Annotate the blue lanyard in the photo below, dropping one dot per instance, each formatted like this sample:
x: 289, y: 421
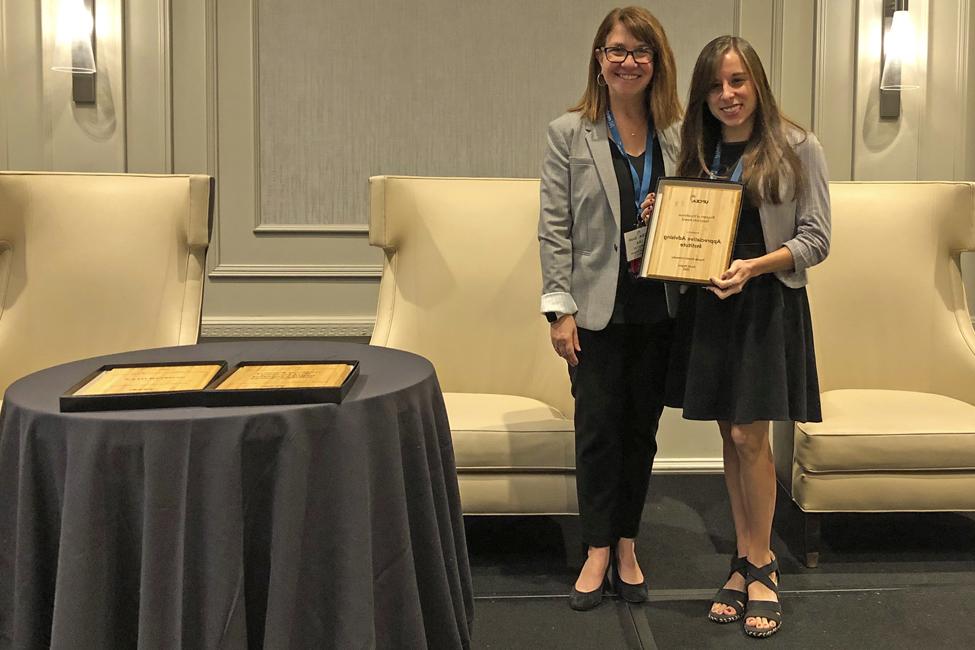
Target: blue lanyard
x: 715, y: 164
x: 614, y: 134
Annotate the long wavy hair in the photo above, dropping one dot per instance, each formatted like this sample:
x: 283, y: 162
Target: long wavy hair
x: 768, y: 149
x: 662, y: 100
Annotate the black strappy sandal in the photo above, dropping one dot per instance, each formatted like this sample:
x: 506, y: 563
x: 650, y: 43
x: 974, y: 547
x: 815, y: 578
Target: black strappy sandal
x: 767, y: 609
x: 731, y: 597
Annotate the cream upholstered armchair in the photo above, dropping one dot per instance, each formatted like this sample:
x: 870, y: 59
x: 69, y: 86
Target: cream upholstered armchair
x: 460, y: 286
x: 98, y: 263
x: 896, y: 357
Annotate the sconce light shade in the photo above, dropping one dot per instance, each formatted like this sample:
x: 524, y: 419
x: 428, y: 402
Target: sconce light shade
x: 73, y: 49
x: 900, y: 55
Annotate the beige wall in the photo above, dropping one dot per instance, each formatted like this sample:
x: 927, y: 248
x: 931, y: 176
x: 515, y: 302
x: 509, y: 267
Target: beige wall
x: 291, y: 121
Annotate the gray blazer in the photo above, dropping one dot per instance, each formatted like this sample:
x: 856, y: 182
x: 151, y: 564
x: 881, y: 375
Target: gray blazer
x: 803, y: 227
x: 579, y: 221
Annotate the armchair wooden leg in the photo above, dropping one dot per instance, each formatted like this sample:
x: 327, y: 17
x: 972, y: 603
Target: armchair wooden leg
x: 812, y: 522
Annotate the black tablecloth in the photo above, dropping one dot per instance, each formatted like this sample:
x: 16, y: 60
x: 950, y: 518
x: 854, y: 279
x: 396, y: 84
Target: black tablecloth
x: 308, y: 526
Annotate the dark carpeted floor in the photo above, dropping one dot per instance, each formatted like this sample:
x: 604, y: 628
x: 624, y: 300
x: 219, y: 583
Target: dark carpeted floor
x: 884, y: 580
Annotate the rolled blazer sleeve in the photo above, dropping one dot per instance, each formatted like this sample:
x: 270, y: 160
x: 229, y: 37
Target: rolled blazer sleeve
x: 810, y: 244
x: 555, y: 226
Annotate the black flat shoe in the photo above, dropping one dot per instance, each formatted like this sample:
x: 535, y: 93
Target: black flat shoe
x: 582, y: 601
x: 631, y: 593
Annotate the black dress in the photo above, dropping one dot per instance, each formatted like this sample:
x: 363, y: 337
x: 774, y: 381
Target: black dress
x: 750, y: 356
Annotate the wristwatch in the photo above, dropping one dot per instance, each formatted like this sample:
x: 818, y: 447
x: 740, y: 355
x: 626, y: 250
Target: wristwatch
x: 551, y: 316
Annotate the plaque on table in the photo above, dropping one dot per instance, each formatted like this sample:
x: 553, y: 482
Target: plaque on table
x: 142, y: 386
x: 252, y: 383
x: 692, y: 231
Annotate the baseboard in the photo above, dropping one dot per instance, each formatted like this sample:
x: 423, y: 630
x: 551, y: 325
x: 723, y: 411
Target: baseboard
x: 688, y: 466
x: 280, y: 327
x: 355, y: 271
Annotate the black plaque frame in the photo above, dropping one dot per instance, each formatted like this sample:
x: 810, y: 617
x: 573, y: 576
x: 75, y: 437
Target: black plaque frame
x: 270, y: 396
x: 71, y: 403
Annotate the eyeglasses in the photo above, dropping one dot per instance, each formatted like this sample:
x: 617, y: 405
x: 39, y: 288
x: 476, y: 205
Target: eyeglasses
x: 619, y: 54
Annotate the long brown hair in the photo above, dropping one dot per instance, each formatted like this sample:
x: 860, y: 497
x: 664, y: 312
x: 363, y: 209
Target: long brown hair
x: 768, y: 146
x: 662, y: 98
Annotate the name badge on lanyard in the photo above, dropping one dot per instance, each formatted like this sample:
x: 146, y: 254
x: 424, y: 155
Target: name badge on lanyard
x: 634, y: 239
x: 716, y: 164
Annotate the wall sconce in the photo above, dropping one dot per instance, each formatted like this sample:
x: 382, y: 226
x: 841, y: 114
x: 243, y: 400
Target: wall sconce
x: 74, y: 47
x: 897, y: 59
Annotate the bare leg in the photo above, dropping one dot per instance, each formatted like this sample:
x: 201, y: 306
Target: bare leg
x: 732, y: 478
x: 629, y: 568
x: 594, y: 570
x: 757, y: 472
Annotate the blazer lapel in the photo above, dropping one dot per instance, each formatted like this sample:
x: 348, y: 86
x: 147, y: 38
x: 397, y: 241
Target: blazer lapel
x: 597, y: 139
x: 668, y: 138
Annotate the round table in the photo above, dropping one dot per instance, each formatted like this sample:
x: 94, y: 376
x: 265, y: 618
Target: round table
x: 313, y: 525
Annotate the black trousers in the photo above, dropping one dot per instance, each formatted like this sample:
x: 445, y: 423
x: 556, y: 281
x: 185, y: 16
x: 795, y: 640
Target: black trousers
x: 618, y: 388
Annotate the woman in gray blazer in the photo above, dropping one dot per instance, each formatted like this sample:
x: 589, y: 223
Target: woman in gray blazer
x: 612, y: 329
x: 744, y: 352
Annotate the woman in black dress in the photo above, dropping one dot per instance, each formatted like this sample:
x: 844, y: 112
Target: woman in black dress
x: 743, y: 353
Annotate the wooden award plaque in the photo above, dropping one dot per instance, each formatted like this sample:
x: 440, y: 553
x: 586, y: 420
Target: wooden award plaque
x: 692, y: 231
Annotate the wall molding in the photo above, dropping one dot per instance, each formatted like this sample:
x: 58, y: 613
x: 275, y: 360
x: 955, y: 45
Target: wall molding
x: 834, y: 84
x: 688, y: 465
x: 819, y: 65
x: 922, y: 26
x: 264, y: 327
x: 165, y: 36
x: 4, y: 83
x: 775, y: 65
x: 213, y: 126
x: 256, y: 108
x: 355, y: 271
x: 261, y: 226
x: 962, y: 73
x: 148, y: 78
x: 315, y: 229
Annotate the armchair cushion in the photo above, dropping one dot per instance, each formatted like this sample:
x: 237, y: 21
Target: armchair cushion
x: 508, y: 432
x: 887, y: 430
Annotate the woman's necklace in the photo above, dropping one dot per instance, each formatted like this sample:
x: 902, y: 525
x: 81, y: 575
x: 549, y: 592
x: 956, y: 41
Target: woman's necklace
x: 633, y: 130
